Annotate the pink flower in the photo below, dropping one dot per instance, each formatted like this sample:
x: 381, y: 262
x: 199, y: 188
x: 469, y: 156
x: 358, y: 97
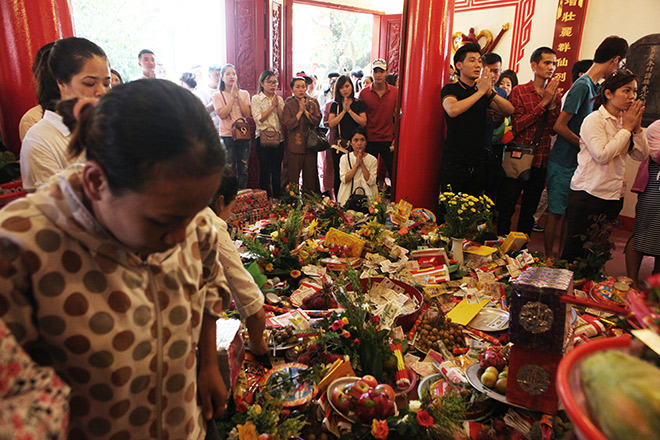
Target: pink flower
x: 424, y: 418
x: 653, y: 281
x: 356, y: 341
x: 337, y: 325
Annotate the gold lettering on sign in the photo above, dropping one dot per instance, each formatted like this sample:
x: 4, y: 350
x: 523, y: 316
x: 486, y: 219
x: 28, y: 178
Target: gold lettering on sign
x: 566, y: 31
x: 568, y: 16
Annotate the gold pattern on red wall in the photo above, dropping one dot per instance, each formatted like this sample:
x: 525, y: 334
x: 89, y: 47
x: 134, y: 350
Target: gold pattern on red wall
x: 567, y: 38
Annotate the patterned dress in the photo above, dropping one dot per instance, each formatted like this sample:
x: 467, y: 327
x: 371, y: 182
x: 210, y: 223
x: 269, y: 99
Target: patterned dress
x: 647, y: 215
x: 121, y: 331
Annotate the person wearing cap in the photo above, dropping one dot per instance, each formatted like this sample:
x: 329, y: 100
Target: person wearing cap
x: 380, y: 99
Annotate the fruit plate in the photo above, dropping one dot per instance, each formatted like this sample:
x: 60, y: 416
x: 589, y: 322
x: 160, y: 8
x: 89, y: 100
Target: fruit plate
x: 339, y: 383
x: 472, y: 374
x: 490, y: 319
x: 569, y: 384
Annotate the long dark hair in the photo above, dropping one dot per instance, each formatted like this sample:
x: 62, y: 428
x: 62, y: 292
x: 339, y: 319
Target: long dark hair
x: 614, y: 81
x: 263, y: 77
x: 222, y: 74
x: 339, y: 84
x: 58, y: 62
x: 144, y: 123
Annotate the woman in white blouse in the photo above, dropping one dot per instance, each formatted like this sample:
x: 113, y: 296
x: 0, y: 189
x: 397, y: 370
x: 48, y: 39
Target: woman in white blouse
x: 267, y: 109
x: 357, y: 169
x: 232, y: 103
x: 70, y: 68
x: 607, y: 136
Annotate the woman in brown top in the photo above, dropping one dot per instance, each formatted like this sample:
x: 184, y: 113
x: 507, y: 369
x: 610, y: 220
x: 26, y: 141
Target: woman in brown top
x: 300, y: 114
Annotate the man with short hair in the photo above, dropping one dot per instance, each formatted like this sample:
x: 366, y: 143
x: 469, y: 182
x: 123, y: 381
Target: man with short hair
x: 205, y: 93
x: 147, y: 62
x: 380, y: 99
x: 465, y: 152
x: 563, y: 158
x: 537, y: 107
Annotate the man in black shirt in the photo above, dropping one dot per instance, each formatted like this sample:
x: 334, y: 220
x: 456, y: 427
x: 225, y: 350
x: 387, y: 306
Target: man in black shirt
x: 465, y: 154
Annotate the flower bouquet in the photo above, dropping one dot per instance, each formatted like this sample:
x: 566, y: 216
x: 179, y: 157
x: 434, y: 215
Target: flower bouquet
x: 465, y: 215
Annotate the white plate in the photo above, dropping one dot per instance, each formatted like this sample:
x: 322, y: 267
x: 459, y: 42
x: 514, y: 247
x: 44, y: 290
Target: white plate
x: 490, y: 320
x: 472, y: 374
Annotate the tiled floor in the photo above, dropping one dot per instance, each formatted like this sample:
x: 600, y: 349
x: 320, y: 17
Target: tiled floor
x: 616, y: 266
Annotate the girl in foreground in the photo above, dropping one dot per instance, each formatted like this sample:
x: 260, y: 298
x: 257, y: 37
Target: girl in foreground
x: 110, y: 272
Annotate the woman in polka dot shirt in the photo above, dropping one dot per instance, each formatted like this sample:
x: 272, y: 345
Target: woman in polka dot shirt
x: 109, y: 273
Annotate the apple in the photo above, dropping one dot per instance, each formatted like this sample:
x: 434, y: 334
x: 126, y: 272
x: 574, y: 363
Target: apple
x: 365, y: 408
x: 385, y: 406
x: 340, y: 399
x: 370, y: 380
x: 356, y: 389
x: 386, y: 389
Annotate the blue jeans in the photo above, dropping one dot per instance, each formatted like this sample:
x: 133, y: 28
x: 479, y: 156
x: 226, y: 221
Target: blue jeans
x: 238, y: 153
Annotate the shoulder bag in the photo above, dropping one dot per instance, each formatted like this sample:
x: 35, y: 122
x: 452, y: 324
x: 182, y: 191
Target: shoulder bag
x: 358, y: 199
x: 517, y: 162
x: 316, y: 139
x: 339, y: 145
x: 269, y: 137
x: 240, y: 129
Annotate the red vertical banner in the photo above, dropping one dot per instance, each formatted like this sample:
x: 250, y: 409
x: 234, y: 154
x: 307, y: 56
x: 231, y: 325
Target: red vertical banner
x: 568, y: 37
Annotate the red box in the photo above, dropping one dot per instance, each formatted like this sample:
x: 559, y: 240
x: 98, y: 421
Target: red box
x: 532, y: 379
x: 11, y: 191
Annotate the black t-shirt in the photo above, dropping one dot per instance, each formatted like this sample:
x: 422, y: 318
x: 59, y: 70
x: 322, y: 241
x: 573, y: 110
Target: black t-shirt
x: 347, y: 123
x: 465, y: 141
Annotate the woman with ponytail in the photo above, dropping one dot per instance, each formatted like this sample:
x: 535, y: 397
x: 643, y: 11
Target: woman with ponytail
x: 607, y: 136
x: 66, y: 69
x: 111, y: 273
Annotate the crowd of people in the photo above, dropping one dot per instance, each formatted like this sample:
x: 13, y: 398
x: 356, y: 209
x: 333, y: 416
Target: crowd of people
x: 122, y: 175
x: 576, y: 147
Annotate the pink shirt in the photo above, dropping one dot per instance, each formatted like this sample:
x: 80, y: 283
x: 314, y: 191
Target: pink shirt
x: 220, y: 99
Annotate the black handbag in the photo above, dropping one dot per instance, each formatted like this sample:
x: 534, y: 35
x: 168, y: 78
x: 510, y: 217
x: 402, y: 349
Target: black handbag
x: 356, y: 201
x: 316, y: 139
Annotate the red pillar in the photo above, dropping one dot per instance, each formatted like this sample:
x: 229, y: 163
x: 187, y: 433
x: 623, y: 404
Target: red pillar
x: 26, y: 26
x: 427, y: 26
